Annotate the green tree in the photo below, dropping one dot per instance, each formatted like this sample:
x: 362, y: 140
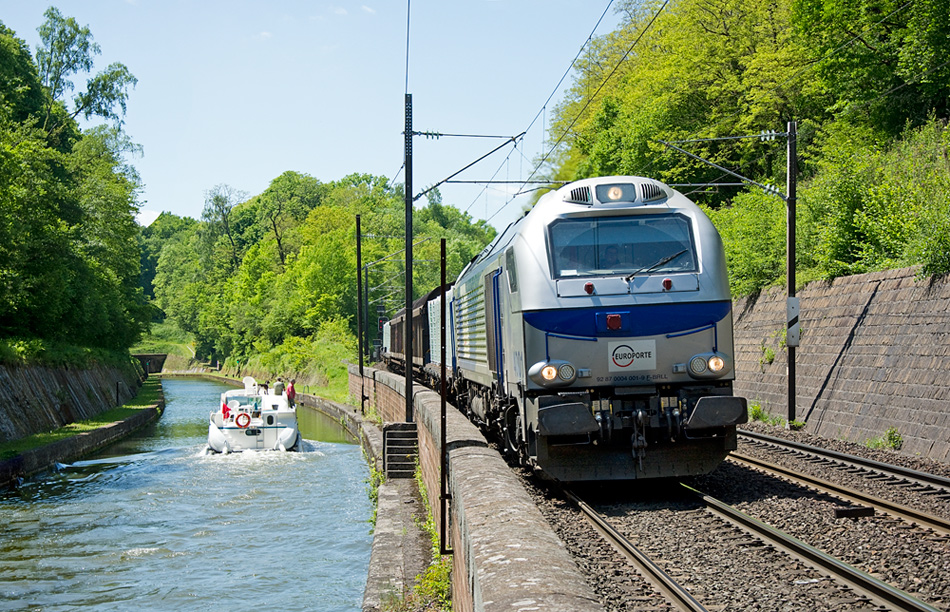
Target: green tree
x: 21, y: 94
x: 879, y: 63
x: 151, y: 241
x: 220, y: 202
x: 695, y: 69
x: 285, y: 203
x: 66, y: 49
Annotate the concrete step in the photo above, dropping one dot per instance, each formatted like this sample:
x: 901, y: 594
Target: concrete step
x: 400, y: 473
x: 400, y: 449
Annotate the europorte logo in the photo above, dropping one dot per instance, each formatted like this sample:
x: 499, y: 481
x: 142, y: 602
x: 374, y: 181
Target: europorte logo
x: 631, y: 355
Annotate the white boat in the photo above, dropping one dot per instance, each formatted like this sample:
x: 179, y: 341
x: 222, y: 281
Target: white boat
x: 250, y: 420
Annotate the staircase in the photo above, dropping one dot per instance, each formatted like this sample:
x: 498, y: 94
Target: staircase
x: 400, y: 450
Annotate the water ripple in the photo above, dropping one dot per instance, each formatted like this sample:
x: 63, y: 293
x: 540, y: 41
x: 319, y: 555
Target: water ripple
x: 156, y: 521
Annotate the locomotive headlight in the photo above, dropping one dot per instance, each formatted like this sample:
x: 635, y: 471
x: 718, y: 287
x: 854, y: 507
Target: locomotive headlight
x: 552, y: 373
x: 614, y: 193
x: 709, y: 365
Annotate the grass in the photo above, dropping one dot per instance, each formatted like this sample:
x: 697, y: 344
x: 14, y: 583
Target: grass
x: 757, y: 413
x: 147, y: 396
x: 433, y: 589
x: 166, y: 338
x: 376, y: 478
x: 23, y: 352
x: 891, y: 439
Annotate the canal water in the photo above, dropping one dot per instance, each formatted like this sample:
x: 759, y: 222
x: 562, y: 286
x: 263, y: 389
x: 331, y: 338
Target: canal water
x: 153, y: 523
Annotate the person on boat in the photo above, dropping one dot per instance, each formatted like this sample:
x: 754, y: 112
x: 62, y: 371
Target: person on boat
x: 291, y: 392
x: 279, y: 386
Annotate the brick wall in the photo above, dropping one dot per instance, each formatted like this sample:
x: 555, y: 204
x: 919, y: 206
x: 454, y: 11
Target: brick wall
x: 506, y: 555
x: 874, y: 354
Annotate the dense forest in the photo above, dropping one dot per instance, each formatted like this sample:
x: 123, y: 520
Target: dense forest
x: 867, y: 81
x: 266, y: 283
x: 68, y: 253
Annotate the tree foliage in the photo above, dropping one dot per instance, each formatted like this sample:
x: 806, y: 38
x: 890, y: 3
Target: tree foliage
x: 295, y: 278
x: 867, y: 82
x: 67, y: 49
x: 69, y: 260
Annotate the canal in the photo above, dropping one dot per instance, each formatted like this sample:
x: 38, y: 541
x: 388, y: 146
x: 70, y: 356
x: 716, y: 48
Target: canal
x: 155, y: 524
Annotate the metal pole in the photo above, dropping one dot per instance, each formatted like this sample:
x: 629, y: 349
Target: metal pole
x: 366, y: 315
x: 408, y: 335
x: 792, y: 330
x: 359, y: 306
x: 443, y: 548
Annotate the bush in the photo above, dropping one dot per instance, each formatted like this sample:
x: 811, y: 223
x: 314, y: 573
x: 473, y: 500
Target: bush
x: 891, y: 439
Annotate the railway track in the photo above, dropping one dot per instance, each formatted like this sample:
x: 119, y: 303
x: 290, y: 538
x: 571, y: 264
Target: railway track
x: 870, y: 591
x: 879, y: 591
x: 648, y: 568
x: 930, y: 484
x: 854, y: 496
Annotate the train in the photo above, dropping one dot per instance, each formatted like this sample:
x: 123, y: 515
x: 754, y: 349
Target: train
x: 593, y: 336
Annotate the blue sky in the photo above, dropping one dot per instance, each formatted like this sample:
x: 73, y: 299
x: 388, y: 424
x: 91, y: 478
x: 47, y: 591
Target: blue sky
x: 238, y: 92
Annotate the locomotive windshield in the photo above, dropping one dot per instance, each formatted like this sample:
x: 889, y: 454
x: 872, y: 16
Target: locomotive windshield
x: 622, y: 245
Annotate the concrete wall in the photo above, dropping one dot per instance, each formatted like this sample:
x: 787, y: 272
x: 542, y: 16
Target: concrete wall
x: 506, y: 555
x: 874, y: 354
x: 40, y: 399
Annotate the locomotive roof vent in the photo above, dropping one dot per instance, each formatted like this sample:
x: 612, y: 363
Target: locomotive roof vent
x: 651, y: 191
x: 580, y: 195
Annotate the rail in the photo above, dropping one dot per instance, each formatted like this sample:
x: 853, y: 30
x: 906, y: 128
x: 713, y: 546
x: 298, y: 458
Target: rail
x: 916, y: 516
x: 907, y: 473
x: 677, y: 594
x: 878, y: 591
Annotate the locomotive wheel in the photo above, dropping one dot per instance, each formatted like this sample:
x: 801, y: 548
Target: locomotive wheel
x: 514, y: 442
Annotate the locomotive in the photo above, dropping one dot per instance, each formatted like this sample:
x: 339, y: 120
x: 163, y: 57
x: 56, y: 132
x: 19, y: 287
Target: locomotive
x: 594, y: 335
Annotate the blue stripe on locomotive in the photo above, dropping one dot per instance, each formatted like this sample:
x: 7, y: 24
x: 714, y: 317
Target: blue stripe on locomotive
x: 636, y: 321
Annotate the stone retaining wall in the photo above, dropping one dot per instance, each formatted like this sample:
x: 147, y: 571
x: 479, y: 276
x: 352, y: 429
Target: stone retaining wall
x: 37, y: 399
x: 506, y: 555
x: 72, y: 448
x: 874, y: 355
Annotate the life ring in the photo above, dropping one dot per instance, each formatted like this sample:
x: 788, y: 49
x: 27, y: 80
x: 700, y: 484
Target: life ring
x: 242, y: 420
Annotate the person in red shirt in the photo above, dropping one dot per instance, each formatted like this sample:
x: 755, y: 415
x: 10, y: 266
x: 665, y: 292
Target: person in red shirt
x: 291, y: 392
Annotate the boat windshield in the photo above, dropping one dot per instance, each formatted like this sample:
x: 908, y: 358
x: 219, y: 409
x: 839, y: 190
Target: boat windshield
x: 622, y: 245
x: 247, y: 402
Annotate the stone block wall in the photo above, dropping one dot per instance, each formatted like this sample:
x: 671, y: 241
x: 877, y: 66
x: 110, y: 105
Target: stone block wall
x: 874, y: 355
x: 36, y: 399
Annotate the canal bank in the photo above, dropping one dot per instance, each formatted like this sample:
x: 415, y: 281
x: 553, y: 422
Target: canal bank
x: 66, y: 447
x: 40, y: 398
x: 401, y: 548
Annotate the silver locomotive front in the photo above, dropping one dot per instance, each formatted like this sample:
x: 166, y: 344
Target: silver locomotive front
x: 608, y: 348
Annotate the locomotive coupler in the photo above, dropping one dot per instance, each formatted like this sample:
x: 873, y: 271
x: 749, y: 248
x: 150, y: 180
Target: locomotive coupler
x: 638, y: 441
